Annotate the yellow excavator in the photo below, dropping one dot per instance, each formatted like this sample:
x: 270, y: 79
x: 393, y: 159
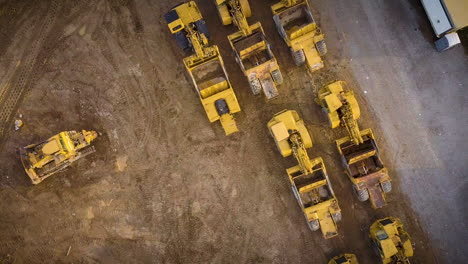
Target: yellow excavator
x: 252, y: 50
x: 309, y: 179
x: 344, y: 259
x: 56, y: 153
x: 296, y: 25
x: 359, y: 151
x: 341, y: 108
x: 390, y: 241
x: 205, y: 66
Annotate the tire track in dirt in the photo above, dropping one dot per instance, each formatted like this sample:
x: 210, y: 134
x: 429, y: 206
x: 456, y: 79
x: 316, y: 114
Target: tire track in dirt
x: 143, y: 90
x: 9, y: 103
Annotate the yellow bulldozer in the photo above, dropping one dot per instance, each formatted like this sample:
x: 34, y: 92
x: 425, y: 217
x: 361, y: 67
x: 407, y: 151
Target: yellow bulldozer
x: 296, y: 25
x: 205, y: 66
x: 309, y: 179
x: 344, y: 259
x: 390, y: 241
x: 252, y: 50
x: 56, y: 153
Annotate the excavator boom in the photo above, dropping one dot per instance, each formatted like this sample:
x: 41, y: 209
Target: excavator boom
x: 300, y: 153
x: 349, y: 121
x: 239, y: 17
x: 199, y: 42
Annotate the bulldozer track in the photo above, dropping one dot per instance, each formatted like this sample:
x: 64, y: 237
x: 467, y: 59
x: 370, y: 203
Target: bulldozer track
x: 12, y: 96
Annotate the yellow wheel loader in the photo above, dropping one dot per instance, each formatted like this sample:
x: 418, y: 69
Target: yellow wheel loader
x: 365, y: 169
x: 56, y: 153
x: 390, y: 241
x: 344, y: 259
x: 252, y: 50
x: 296, y: 25
x: 205, y: 66
x: 341, y: 108
x: 309, y: 180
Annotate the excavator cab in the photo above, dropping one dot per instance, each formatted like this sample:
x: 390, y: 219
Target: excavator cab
x: 341, y: 107
x: 186, y: 15
x: 283, y: 125
x: 344, y: 259
x: 391, y: 241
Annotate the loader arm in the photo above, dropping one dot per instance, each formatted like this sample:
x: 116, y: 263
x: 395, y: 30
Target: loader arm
x: 239, y: 18
x: 350, y: 123
x: 300, y: 153
x: 199, y: 41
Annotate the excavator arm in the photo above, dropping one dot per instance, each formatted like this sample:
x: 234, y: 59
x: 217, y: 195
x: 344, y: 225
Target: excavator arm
x: 300, y: 152
x: 199, y: 41
x: 350, y: 123
x: 239, y: 17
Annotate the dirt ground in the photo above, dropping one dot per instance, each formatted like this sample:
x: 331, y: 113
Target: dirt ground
x: 166, y: 186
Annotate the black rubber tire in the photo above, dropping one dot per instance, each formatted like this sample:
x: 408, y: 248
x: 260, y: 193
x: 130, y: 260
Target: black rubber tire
x: 277, y: 76
x: 255, y: 86
x: 299, y: 57
x: 343, y: 162
x: 362, y: 195
x: 386, y: 186
x: 321, y: 47
x: 280, y: 29
x: 314, y: 225
x: 326, y: 117
x: 337, y: 217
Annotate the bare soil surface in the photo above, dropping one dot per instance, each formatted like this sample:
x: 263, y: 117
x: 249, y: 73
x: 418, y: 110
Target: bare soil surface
x: 166, y: 186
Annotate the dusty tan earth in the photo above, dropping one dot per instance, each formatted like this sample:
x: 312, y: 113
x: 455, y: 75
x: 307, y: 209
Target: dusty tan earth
x: 165, y: 185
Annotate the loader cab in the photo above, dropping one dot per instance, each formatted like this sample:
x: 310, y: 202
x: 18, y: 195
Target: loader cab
x: 185, y: 15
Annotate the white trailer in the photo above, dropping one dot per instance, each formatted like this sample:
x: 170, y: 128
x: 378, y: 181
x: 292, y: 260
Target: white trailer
x: 446, y: 17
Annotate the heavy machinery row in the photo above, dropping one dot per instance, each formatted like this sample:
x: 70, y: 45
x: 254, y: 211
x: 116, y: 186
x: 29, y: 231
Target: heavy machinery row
x: 309, y: 180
